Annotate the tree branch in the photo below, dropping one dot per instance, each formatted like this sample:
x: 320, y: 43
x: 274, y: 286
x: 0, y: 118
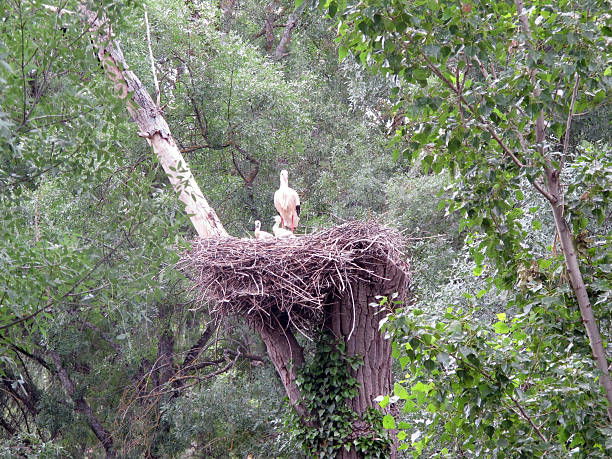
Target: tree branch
x: 83, y: 407
x: 153, y: 127
x: 281, y: 49
x: 490, y: 129
x: 157, y: 94
x: 568, y: 124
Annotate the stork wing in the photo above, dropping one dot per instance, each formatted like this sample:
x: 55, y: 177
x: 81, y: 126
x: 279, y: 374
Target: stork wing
x: 296, y: 200
x: 278, y: 201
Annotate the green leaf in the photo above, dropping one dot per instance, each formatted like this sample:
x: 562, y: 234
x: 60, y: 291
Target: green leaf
x: 333, y: 8
x: 342, y: 53
x: 388, y: 422
x: 501, y: 328
x: 400, y: 391
x: 454, y: 144
x: 420, y: 74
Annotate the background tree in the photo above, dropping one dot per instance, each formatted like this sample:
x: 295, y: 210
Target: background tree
x: 489, y: 92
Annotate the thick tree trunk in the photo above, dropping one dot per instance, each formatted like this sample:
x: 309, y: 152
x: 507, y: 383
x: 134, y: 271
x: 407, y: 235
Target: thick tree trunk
x: 355, y: 322
x: 227, y: 7
x: 352, y: 320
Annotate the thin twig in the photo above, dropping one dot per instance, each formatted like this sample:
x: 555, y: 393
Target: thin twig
x: 157, y: 94
x: 568, y: 124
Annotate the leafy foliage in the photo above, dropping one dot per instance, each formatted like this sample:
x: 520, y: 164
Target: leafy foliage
x: 91, y: 228
x: 488, y: 92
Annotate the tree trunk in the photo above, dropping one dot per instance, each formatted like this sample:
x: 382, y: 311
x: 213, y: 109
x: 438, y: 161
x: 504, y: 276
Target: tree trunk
x: 227, y: 7
x: 357, y: 323
x: 555, y: 198
x: 573, y: 269
x: 287, y: 356
x: 352, y: 320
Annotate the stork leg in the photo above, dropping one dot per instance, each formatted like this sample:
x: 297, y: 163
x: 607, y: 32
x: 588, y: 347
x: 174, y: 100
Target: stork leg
x: 292, y: 223
x: 282, y: 222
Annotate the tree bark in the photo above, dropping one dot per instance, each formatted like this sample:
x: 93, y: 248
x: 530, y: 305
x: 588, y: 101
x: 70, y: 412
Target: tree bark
x: 353, y: 320
x: 287, y: 356
x: 83, y: 407
x: 281, y: 49
x: 577, y: 282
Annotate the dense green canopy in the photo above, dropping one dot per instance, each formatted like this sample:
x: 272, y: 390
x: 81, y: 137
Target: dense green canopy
x: 448, y: 121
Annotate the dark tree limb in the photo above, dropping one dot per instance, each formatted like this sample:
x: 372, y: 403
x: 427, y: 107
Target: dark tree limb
x: 163, y: 368
x: 194, y: 352
x: 287, y: 356
x: 82, y: 406
x: 281, y: 49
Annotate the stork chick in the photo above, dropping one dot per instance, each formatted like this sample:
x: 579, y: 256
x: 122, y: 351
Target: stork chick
x: 279, y: 232
x: 287, y: 202
x: 261, y: 234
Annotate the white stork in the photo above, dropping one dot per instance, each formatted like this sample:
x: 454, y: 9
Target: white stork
x: 261, y: 234
x: 287, y: 203
x: 279, y: 232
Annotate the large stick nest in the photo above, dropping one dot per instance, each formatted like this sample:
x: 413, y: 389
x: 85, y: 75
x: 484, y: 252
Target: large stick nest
x: 258, y: 279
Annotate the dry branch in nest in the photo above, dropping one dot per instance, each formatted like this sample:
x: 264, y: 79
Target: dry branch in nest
x: 262, y: 280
